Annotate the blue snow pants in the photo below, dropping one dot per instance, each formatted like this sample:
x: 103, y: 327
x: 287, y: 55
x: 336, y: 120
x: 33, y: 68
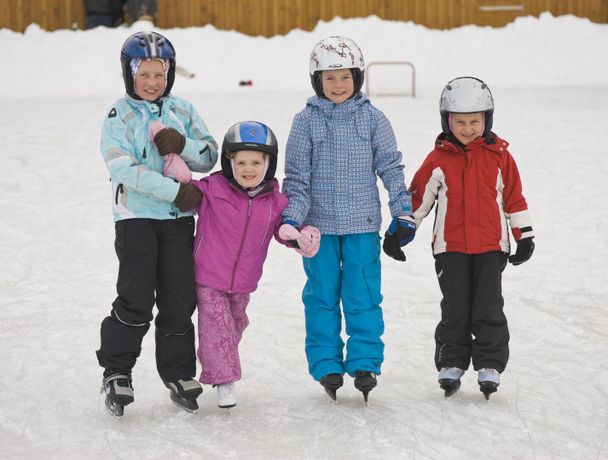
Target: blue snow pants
x: 347, y: 269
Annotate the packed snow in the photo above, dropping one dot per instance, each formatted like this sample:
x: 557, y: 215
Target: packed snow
x: 549, y: 77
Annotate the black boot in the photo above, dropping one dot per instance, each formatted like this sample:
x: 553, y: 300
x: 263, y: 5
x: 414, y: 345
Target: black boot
x: 331, y: 383
x: 118, y: 389
x: 365, y: 381
x: 184, y: 393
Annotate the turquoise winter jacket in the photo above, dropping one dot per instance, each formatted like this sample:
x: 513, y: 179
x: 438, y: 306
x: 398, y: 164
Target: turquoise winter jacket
x: 139, y: 189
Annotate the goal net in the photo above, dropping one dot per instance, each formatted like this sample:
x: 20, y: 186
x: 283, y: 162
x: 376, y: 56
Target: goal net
x: 390, y: 78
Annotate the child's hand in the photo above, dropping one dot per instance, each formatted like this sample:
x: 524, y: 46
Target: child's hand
x: 312, y: 238
x: 306, y: 243
x: 525, y: 248
x: 169, y: 140
x: 400, y: 232
x: 188, y: 197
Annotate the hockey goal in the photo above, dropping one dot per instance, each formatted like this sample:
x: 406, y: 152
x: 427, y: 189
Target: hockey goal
x: 390, y: 78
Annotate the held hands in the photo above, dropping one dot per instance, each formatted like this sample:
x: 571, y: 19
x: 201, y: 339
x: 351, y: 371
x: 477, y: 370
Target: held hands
x: 169, y: 140
x: 305, y: 242
x: 400, y: 232
x: 174, y: 166
x: 188, y: 197
x: 525, y: 248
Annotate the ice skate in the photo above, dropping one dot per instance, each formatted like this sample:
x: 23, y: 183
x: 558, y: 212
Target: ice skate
x: 119, y: 393
x: 226, y: 395
x: 449, y: 380
x: 331, y: 383
x: 184, y: 393
x: 489, y: 380
x: 365, y: 381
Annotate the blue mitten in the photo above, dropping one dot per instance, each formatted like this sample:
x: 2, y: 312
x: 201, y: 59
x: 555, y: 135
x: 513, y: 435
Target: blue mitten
x: 400, y: 232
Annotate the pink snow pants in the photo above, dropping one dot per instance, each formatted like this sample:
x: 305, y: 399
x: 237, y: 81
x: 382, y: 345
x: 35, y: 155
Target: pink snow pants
x: 221, y: 322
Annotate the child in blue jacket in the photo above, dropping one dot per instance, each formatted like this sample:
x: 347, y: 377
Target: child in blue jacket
x: 154, y: 224
x: 338, y: 145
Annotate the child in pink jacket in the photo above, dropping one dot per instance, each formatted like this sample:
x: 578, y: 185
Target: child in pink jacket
x: 238, y: 216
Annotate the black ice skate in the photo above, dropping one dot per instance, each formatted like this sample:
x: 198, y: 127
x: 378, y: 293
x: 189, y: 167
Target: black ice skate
x: 489, y: 380
x: 449, y: 380
x: 331, y: 383
x: 184, y: 393
x: 365, y: 381
x: 119, y: 393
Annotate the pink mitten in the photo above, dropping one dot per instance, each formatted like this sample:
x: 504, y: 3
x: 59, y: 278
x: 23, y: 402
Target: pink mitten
x: 308, y: 243
x: 313, y: 236
x: 174, y: 166
x: 288, y: 232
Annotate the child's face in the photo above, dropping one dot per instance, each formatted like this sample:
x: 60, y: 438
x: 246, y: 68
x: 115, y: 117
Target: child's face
x: 150, y: 80
x: 249, y: 166
x: 338, y: 85
x: 467, y: 126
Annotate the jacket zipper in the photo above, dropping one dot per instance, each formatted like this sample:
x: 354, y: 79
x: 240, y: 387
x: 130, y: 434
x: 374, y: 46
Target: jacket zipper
x: 198, y: 246
x: 236, y: 260
x: 267, y: 226
x: 119, y: 189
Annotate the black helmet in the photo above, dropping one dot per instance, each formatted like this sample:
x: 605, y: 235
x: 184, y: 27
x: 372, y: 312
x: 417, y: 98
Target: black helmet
x: 249, y: 135
x: 466, y: 95
x: 146, y: 45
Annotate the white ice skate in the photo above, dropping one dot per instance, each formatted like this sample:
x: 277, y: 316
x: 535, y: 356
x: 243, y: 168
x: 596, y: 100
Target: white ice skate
x: 226, y: 395
x: 488, y: 380
x: 449, y: 380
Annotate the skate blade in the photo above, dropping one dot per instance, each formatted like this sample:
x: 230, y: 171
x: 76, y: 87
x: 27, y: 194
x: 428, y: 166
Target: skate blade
x: 487, y: 388
x: 332, y: 394
x: 226, y: 406
x: 449, y: 386
x: 189, y: 405
x: 365, y: 393
x: 114, y: 409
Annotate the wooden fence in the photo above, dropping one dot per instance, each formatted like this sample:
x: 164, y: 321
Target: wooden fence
x: 272, y: 17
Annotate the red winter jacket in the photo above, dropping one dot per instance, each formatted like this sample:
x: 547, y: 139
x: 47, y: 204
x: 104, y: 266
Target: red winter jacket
x: 478, y: 193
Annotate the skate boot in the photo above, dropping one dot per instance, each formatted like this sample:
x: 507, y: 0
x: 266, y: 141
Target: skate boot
x: 226, y: 395
x: 449, y: 380
x: 184, y: 393
x: 331, y: 383
x: 488, y: 380
x: 119, y: 392
x: 365, y: 381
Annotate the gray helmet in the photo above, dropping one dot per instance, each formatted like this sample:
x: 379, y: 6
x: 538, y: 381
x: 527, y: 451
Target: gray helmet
x: 466, y: 95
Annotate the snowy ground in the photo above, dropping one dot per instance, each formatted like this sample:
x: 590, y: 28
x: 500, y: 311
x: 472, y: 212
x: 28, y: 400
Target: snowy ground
x: 58, y: 273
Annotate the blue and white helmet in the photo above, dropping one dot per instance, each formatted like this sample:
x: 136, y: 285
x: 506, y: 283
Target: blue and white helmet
x: 249, y: 135
x: 466, y: 95
x: 146, y: 45
x: 333, y: 53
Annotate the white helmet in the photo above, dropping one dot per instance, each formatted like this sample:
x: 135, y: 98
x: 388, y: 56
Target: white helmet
x: 333, y: 53
x: 466, y: 95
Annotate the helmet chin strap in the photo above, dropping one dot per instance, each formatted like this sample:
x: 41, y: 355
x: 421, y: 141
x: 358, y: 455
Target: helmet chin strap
x: 266, y: 164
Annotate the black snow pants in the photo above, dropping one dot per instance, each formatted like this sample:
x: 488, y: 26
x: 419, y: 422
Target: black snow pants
x: 155, y: 267
x: 473, y: 326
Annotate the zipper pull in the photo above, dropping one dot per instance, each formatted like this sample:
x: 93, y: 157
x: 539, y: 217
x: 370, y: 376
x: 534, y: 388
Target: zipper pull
x: 249, y: 210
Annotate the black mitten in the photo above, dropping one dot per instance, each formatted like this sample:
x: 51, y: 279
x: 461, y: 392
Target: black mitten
x: 525, y: 248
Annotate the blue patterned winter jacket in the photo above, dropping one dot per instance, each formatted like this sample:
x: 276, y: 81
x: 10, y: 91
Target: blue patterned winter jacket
x: 139, y: 189
x: 333, y: 155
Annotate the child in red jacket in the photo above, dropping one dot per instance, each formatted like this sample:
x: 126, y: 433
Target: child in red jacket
x: 475, y: 182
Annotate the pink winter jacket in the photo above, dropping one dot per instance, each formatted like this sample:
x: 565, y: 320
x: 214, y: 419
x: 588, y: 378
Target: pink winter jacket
x: 233, y: 233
